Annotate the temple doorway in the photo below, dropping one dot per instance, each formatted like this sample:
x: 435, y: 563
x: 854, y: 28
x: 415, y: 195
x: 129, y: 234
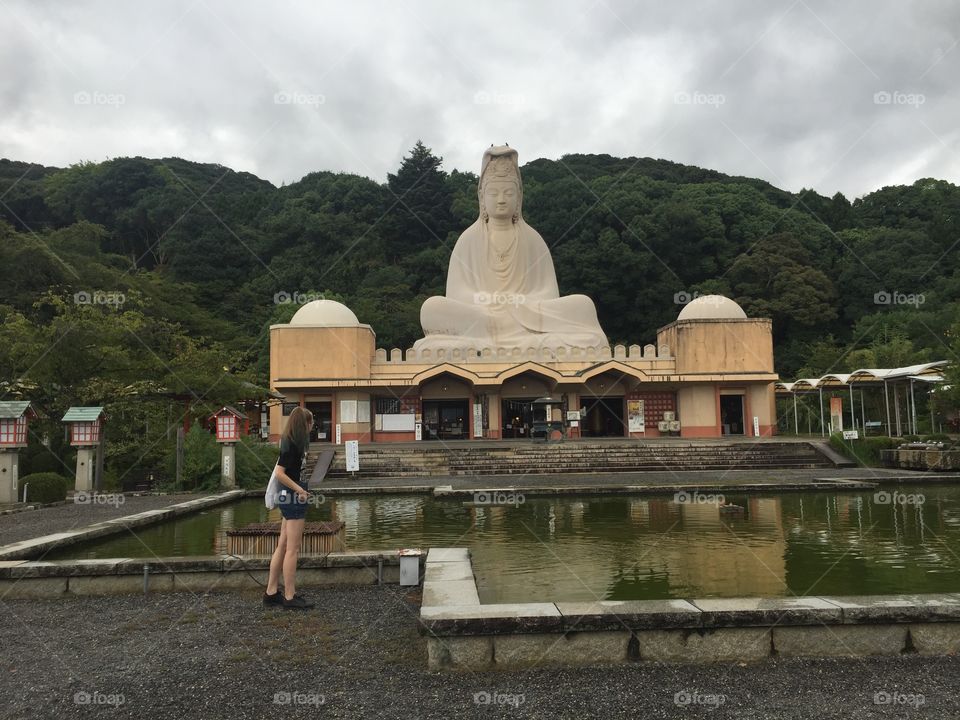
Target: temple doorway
x: 731, y: 414
x: 517, y: 418
x: 446, y: 419
x: 322, y: 421
x: 604, y: 417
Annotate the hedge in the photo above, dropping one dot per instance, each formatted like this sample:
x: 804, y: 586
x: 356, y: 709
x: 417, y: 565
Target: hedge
x: 866, y: 451
x: 45, y: 487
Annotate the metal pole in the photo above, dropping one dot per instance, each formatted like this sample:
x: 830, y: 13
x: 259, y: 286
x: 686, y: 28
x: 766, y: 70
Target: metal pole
x: 853, y: 409
x: 886, y: 401
x: 933, y: 427
x: 896, y: 409
x: 796, y: 422
x: 863, y: 413
x: 913, y: 406
x: 822, y: 429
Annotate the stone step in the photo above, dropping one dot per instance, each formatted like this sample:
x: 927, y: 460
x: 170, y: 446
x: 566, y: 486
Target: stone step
x: 384, y: 462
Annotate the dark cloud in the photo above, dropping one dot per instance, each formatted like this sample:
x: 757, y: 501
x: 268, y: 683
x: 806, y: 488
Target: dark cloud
x: 833, y: 96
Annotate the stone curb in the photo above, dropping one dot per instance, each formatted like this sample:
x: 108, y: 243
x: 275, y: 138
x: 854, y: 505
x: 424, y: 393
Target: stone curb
x: 19, y: 569
x: 697, y: 615
x: 48, y: 580
x: 33, y: 547
x: 463, y: 634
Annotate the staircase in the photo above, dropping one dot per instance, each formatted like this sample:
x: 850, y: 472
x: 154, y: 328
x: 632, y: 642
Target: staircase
x: 431, y: 461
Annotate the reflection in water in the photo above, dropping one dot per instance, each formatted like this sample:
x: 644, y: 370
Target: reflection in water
x: 633, y: 547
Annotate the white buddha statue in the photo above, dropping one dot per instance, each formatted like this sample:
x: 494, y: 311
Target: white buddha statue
x: 501, y: 285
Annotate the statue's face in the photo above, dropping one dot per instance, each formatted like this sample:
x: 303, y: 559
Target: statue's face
x: 500, y: 199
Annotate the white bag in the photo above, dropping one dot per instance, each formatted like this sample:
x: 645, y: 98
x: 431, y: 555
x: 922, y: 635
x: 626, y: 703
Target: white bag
x: 272, y: 495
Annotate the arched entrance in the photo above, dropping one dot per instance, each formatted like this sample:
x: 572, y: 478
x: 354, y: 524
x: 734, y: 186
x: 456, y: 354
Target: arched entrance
x: 446, y: 406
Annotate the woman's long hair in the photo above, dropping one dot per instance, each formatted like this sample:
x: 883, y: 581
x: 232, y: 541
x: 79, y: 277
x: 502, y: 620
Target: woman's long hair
x: 297, y: 430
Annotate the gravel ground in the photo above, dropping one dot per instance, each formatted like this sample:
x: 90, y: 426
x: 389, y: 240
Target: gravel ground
x: 70, y: 516
x: 359, y: 655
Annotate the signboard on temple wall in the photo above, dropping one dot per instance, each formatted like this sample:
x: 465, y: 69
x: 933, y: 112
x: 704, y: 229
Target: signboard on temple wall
x: 477, y: 420
x: 836, y: 414
x: 635, y: 421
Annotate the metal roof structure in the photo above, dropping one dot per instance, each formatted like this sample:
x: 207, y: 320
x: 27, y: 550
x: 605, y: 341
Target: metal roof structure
x: 927, y: 372
x: 13, y: 409
x: 83, y: 414
x: 229, y: 409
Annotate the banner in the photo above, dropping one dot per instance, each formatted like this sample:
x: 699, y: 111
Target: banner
x: 635, y: 420
x: 836, y: 414
x: 477, y: 420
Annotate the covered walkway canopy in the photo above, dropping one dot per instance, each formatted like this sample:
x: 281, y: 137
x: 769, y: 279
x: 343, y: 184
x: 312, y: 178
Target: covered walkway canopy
x: 887, y: 378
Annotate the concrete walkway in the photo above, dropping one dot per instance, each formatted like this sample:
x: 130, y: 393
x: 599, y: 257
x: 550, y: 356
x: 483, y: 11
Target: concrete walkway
x: 71, y: 515
x: 730, y: 480
x: 526, y: 442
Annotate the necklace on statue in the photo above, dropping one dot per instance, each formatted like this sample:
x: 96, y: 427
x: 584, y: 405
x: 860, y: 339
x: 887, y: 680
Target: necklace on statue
x: 504, y: 255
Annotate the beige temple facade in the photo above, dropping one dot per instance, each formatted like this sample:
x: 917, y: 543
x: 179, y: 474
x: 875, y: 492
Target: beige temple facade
x: 502, y: 337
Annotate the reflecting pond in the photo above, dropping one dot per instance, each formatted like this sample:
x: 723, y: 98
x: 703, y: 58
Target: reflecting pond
x: 633, y: 547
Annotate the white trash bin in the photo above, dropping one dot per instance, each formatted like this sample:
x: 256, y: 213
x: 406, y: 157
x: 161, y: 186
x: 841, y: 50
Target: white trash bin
x: 410, y: 567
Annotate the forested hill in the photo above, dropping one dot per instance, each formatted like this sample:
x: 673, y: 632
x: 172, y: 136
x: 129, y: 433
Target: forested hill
x: 200, y: 252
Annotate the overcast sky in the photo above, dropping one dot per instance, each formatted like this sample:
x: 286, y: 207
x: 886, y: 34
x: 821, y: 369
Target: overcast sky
x: 845, y: 96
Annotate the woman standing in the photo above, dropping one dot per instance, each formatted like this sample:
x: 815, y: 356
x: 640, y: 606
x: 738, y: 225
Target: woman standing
x: 293, y: 507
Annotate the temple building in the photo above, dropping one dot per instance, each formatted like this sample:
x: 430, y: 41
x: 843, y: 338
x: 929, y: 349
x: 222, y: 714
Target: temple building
x: 503, y: 352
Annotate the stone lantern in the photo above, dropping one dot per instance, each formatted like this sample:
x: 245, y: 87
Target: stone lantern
x: 86, y: 434
x: 15, y: 417
x: 228, y: 421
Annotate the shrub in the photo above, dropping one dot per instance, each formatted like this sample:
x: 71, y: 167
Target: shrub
x: 45, y: 487
x: 255, y: 461
x: 201, y: 462
x: 866, y: 451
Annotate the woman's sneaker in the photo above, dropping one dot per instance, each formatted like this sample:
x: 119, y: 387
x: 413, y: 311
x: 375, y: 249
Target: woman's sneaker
x: 274, y: 600
x: 297, y: 602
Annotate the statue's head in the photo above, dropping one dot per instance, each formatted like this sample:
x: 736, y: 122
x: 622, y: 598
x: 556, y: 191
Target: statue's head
x: 500, y: 190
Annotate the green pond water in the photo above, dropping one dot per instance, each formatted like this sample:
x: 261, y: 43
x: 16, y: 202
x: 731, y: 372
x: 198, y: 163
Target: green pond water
x: 632, y: 547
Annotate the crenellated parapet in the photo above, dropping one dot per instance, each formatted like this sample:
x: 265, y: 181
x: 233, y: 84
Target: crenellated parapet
x: 396, y: 356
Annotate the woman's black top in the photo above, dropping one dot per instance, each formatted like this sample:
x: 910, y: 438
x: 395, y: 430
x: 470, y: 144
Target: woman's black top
x: 291, y: 460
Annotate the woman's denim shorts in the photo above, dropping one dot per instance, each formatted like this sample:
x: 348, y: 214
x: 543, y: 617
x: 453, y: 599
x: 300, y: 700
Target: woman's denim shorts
x: 291, y: 507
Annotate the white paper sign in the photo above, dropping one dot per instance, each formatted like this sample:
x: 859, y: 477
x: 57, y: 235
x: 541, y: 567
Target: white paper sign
x: 401, y: 423
x: 756, y: 426
x: 851, y: 434
x: 353, y: 455
x: 338, y: 433
x: 418, y: 431
x: 348, y: 411
x: 477, y: 420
